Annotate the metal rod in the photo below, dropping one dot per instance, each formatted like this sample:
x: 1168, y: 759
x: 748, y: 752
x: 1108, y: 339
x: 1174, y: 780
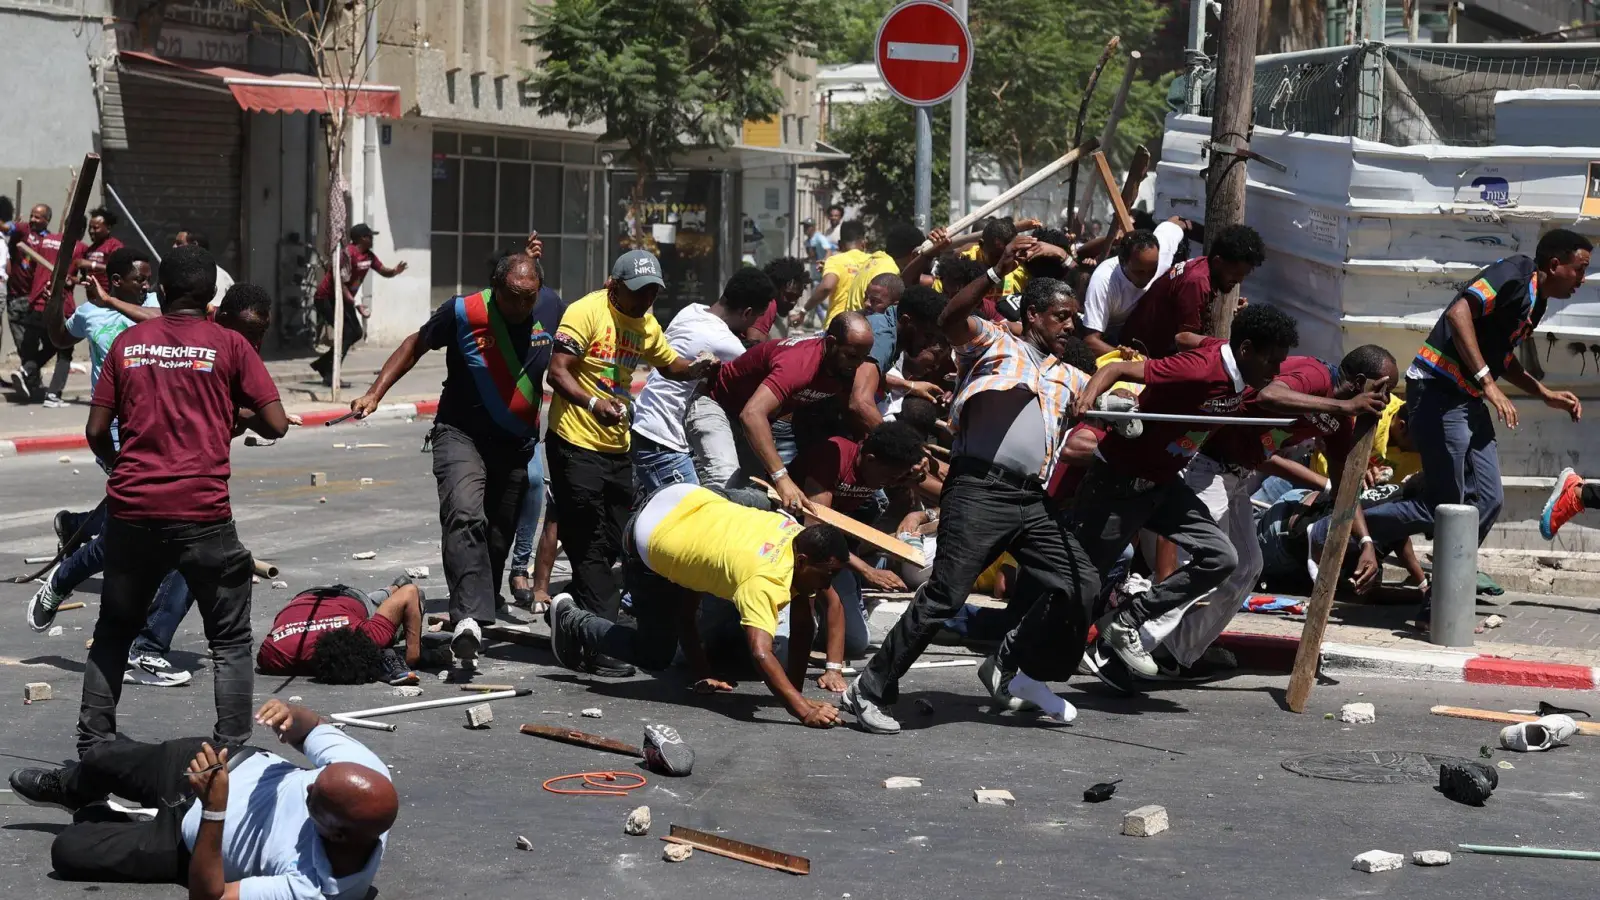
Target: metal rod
x: 922, y: 212
x: 432, y: 704
x: 128, y: 214
x: 1193, y: 420
x: 1455, y: 574
x: 363, y: 723
x: 1549, y: 852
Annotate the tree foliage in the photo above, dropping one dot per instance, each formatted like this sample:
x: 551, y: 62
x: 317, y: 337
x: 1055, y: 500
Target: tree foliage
x: 880, y: 137
x: 851, y: 30
x: 667, y: 75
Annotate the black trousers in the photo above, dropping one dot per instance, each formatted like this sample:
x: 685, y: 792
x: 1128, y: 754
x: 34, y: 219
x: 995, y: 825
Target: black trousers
x: 594, y: 493
x: 34, y: 348
x: 217, y: 567
x: 481, y: 486
x: 651, y: 641
x: 149, y: 774
x: 981, y: 517
x: 354, y: 331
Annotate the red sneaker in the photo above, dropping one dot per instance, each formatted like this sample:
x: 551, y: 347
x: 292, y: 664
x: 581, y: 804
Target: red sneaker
x: 1566, y: 501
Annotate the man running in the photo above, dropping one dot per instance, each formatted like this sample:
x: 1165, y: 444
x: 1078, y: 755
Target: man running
x: 1181, y: 300
x: 356, y: 260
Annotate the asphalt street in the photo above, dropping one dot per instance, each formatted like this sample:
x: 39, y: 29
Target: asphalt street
x: 1242, y: 826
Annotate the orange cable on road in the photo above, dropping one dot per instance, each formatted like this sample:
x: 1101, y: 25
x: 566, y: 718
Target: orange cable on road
x: 603, y: 787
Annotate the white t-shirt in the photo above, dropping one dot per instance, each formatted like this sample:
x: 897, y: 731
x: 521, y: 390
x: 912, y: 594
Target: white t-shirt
x: 659, y: 412
x: 1111, y: 297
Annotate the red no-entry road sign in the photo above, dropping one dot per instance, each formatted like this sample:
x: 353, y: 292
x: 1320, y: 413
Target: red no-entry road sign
x: 924, y: 52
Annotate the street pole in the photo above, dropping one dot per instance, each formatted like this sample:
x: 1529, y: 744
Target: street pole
x: 1194, y: 56
x: 958, y: 138
x: 1230, y: 127
x: 924, y: 173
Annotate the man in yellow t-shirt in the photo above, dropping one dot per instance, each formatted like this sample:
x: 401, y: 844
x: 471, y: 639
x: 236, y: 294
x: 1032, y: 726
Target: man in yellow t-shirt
x: 838, y: 272
x: 900, y: 248
x: 686, y: 541
x: 602, y: 339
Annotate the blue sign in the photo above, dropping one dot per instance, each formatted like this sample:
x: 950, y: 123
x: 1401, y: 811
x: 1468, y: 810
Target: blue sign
x: 1494, y: 190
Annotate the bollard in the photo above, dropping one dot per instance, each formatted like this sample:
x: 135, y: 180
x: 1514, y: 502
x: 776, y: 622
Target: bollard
x: 1455, y: 574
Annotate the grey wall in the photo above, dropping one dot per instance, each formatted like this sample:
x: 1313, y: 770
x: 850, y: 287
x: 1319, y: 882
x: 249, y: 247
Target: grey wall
x: 42, y: 134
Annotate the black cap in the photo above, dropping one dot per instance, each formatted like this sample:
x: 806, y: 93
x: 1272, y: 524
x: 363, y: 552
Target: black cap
x: 357, y: 232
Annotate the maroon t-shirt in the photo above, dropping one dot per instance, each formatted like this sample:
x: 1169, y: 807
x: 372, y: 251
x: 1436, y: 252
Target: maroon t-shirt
x: 1250, y: 445
x: 50, y: 248
x: 19, y: 281
x: 832, y: 465
x: 1175, y: 303
x: 791, y: 368
x: 288, y: 647
x: 1065, y: 479
x: 352, y: 271
x: 767, y: 320
x: 1195, y: 382
x: 173, y: 384
x: 99, y: 254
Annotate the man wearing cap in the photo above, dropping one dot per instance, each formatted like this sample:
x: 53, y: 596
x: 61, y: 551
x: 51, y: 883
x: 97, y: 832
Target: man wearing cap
x: 358, y: 258
x: 603, y: 337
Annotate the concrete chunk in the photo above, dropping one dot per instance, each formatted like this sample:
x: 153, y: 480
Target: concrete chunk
x: 318, y: 479
x: 901, y: 781
x: 638, y: 822
x: 409, y: 690
x: 1146, y: 821
x: 1377, y: 861
x: 1358, y: 714
x: 55, y: 631
x: 1431, y: 857
x: 35, y: 690
x: 479, y: 716
x: 593, y: 712
x: 991, y: 798
x: 365, y: 554
x: 676, y: 852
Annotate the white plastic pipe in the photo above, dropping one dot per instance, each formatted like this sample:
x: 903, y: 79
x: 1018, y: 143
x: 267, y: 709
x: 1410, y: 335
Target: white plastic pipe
x: 1193, y: 420
x: 362, y: 723
x: 432, y: 704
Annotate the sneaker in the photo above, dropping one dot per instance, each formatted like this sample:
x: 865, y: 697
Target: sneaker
x: 869, y: 716
x: 467, y: 643
x: 609, y: 667
x: 665, y: 751
x: 42, y: 608
x: 563, y: 644
x: 1541, y: 735
x: 54, y: 401
x: 395, y: 670
x: 1104, y: 665
x: 995, y: 682
x: 152, y: 669
x: 1169, y: 669
x: 1566, y: 501
x: 1467, y: 782
x: 66, y: 526
x: 19, y: 383
x: 1125, y: 642
x: 41, y: 787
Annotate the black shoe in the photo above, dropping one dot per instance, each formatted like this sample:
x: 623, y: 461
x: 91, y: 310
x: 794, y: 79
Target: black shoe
x: 395, y: 670
x: 66, y: 526
x: 1169, y: 669
x: 41, y: 787
x: 1109, y: 668
x: 1468, y: 782
x: 520, y: 596
x: 665, y: 751
x: 563, y: 643
x: 609, y: 667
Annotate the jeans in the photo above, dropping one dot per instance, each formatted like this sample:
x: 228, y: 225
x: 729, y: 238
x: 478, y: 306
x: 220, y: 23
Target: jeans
x: 151, y: 775
x: 982, y: 516
x: 594, y: 492
x: 655, y: 467
x: 1110, y: 508
x: 217, y: 568
x: 172, y: 603
x: 847, y: 585
x: 721, y: 450
x: 657, y: 605
x: 1454, y: 434
x: 481, y: 485
x: 533, y: 508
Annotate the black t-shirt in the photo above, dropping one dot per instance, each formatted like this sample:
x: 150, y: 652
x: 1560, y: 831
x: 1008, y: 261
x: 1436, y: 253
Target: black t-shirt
x: 460, y: 402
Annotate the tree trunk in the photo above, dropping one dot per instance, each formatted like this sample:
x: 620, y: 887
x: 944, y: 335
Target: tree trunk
x: 336, y: 230
x: 1230, y: 126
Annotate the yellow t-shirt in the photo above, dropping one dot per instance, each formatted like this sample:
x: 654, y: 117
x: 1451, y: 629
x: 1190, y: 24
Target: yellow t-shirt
x: 610, y: 346
x: 1013, y: 283
x: 844, y: 267
x: 716, y: 546
x: 879, y: 263
x: 1404, y: 462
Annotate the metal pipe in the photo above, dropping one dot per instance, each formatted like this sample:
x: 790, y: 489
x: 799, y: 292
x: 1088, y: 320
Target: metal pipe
x: 369, y: 153
x: 363, y: 723
x: 1548, y: 852
x: 128, y: 214
x: 1193, y: 420
x: 433, y: 704
x: 1455, y: 574
x: 923, y: 205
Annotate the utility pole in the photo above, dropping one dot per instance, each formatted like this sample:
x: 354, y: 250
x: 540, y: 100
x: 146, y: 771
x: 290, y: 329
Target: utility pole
x: 1230, y: 127
x: 958, y: 137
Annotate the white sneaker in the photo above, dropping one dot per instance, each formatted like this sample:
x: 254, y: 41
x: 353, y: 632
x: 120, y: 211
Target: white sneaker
x: 467, y: 643
x: 1125, y: 641
x: 1540, y: 735
x: 42, y: 607
x: 148, y: 668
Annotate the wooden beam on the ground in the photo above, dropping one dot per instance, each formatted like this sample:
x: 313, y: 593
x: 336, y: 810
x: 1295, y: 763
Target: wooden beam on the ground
x: 1504, y: 718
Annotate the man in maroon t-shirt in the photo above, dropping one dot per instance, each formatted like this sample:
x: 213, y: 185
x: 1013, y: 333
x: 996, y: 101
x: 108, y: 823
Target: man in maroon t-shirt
x: 298, y: 642
x: 774, y: 379
x: 34, y: 346
x: 791, y: 278
x: 356, y: 260
x: 32, y: 232
x: 99, y: 247
x: 179, y: 387
x: 1180, y: 301
x: 1134, y: 483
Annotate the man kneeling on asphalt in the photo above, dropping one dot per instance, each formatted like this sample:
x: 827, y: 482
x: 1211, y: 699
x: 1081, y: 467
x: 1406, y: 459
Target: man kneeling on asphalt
x: 340, y: 635
x: 247, y: 824
x: 688, y: 540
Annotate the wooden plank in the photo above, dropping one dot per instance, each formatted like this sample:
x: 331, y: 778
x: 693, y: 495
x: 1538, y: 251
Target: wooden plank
x: 581, y: 739
x: 73, y: 225
x: 1330, y: 565
x: 732, y: 849
x: 888, y: 543
x: 520, y: 635
x: 1504, y: 718
x: 1137, y: 170
x: 1124, y: 221
x: 1022, y: 187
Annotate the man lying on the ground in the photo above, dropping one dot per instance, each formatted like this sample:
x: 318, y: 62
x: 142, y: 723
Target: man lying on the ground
x: 686, y: 541
x: 1281, y: 533
x: 242, y: 824
x: 339, y: 635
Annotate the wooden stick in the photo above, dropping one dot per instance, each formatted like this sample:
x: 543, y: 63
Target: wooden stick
x: 34, y: 255
x: 1017, y: 190
x: 488, y: 687
x: 1137, y: 170
x: 72, y: 227
x: 885, y: 542
x: 265, y: 570
x: 1083, y: 113
x: 1114, y: 118
x: 732, y: 849
x: 1121, y: 220
x: 1330, y: 566
x: 581, y: 739
x: 76, y: 604
x: 1504, y: 718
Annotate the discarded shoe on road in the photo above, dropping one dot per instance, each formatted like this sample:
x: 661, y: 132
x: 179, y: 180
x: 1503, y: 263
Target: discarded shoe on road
x: 1467, y: 782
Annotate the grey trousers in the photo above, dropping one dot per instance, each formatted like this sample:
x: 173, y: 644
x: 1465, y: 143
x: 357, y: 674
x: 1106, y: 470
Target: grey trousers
x: 481, y: 485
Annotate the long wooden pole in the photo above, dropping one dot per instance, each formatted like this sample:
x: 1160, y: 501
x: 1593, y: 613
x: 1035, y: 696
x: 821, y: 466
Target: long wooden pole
x: 1114, y: 118
x: 1504, y: 718
x: 1015, y: 191
x: 73, y: 226
x: 1330, y: 565
x: 1230, y: 127
x: 1120, y: 219
x: 1083, y: 113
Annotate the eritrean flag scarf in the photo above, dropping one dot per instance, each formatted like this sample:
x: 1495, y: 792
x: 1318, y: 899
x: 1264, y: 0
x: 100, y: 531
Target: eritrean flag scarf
x: 509, y: 395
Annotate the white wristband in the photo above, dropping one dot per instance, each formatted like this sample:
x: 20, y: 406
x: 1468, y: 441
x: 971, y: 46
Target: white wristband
x: 1366, y: 539
x: 1327, y: 484
x: 833, y: 667
x: 994, y: 277
x: 1480, y: 374
x: 207, y: 815
x: 780, y: 472
x: 592, y: 401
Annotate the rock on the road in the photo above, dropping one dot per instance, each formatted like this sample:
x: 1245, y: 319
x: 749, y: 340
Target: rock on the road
x: 1431, y: 857
x: 901, y: 781
x: 1358, y: 714
x: 1377, y: 861
x: 1146, y: 821
x: 676, y: 852
x: 993, y: 798
x: 638, y: 822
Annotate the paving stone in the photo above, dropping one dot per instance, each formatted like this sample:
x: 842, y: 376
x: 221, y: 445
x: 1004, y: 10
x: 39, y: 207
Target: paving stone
x: 1146, y: 821
x: 1374, y: 861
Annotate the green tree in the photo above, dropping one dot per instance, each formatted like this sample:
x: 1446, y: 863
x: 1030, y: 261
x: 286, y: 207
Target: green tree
x: 667, y: 75
x: 852, y: 29
x: 880, y: 137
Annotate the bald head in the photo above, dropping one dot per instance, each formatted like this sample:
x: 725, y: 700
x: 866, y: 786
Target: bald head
x: 351, y: 803
x: 849, y: 342
x: 516, y: 281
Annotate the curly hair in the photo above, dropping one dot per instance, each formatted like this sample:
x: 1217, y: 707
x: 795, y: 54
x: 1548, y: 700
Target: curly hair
x: 346, y: 656
x: 1265, y: 326
x: 1239, y: 243
x: 956, y: 272
x: 898, y: 443
x: 902, y: 240
x: 1042, y: 293
x: 785, y: 269
x: 1079, y: 356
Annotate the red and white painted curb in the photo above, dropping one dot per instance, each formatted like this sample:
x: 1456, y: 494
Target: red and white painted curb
x: 1275, y: 653
x: 55, y: 443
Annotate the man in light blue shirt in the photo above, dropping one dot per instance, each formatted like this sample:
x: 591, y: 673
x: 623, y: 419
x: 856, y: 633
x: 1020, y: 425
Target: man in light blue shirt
x: 258, y: 828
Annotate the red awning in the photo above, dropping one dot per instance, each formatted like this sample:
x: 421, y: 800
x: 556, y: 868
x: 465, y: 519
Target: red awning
x: 283, y: 92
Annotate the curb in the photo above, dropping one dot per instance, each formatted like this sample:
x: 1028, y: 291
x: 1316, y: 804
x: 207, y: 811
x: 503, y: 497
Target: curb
x: 51, y: 443
x: 1274, y: 653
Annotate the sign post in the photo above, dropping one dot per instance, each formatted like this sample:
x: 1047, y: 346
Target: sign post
x: 924, y: 52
